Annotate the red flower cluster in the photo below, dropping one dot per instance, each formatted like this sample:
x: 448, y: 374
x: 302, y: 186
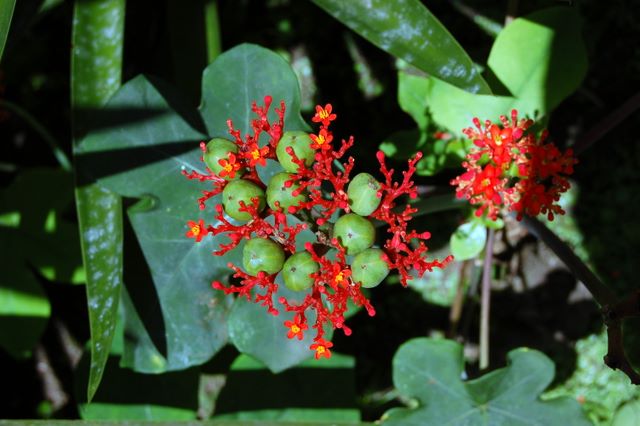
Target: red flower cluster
x: 324, y: 183
x: 511, y: 168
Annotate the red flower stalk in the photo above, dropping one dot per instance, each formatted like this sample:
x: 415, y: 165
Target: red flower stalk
x: 513, y: 170
x: 325, y: 185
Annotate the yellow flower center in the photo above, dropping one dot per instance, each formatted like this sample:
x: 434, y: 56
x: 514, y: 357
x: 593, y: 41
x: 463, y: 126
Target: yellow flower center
x: 339, y: 277
x: 320, y: 140
x: 323, y: 114
x: 320, y: 350
x: 195, y: 230
x: 486, y: 182
x: 228, y: 167
x: 295, y: 329
x: 255, y: 154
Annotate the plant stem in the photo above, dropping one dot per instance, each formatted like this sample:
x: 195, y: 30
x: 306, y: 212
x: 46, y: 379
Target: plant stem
x: 212, y: 28
x: 456, y: 308
x: 601, y: 293
x: 512, y: 11
x: 606, y: 124
x: 486, y: 300
x: 53, y: 143
x: 488, y: 25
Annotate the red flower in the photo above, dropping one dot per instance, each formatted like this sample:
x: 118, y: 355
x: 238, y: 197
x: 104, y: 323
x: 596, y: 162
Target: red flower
x: 323, y: 115
x: 196, y: 230
x: 322, y: 348
x: 296, y: 327
x: 229, y: 166
x: 257, y: 155
x: 322, y: 140
x: 523, y: 173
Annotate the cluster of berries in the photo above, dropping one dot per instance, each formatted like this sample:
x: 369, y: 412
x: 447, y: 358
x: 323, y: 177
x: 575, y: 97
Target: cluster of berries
x: 314, y: 191
x: 511, y: 168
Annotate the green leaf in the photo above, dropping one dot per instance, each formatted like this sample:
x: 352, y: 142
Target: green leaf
x: 96, y: 62
x: 125, y: 395
x: 143, y: 159
x: 6, y: 13
x: 242, y: 75
x: 182, y: 322
x: 628, y: 414
x: 35, y: 226
x: 294, y: 395
x: 543, y: 73
x: 455, y: 109
x: 25, y: 309
x: 468, y: 240
x: 431, y: 370
x: 412, y: 97
x: 264, y: 336
x: 407, y: 30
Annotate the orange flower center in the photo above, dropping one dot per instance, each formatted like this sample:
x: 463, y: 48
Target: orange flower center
x: 295, y: 329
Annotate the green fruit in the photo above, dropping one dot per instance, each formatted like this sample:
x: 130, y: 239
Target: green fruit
x: 219, y: 149
x: 301, y: 144
x: 355, y: 233
x: 296, y: 271
x: 277, y: 191
x: 241, y: 190
x: 262, y: 254
x: 363, y: 194
x: 368, y: 268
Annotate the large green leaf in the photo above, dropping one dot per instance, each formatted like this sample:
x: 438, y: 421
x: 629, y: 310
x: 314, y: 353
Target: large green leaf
x: 406, y: 29
x: 541, y: 58
x: 468, y: 240
x: 143, y: 159
x: 178, y: 321
x: 431, y: 370
x: 240, y: 76
x: 455, y: 109
x: 6, y: 13
x: 96, y: 66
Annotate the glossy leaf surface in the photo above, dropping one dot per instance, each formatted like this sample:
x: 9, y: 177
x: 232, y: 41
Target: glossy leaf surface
x: 407, y: 30
x: 96, y: 66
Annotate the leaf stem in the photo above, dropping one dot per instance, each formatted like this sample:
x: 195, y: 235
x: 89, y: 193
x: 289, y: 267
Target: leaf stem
x: 512, y: 12
x: 53, y: 143
x: 212, y: 28
x: 485, y: 300
x: 608, y: 123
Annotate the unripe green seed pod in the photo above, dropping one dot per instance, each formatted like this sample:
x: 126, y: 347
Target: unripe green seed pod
x: 301, y: 144
x: 368, y: 268
x: 241, y: 190
x: 262, y: 254
x: 277, y: 191
x: 296, y: 271
x: 219, y: 149
x: 355, y: 233
x: 362, y: 193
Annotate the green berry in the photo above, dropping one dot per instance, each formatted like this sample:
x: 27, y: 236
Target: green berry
x: 368, y: 268
x: 262, y: 254
x: 363, y: 194
x: 219, y: 149
x: 277, y: 191
x: 355, y: 233
x: 301, y: 144
x: 241, y: 190
x: 296, y: 271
